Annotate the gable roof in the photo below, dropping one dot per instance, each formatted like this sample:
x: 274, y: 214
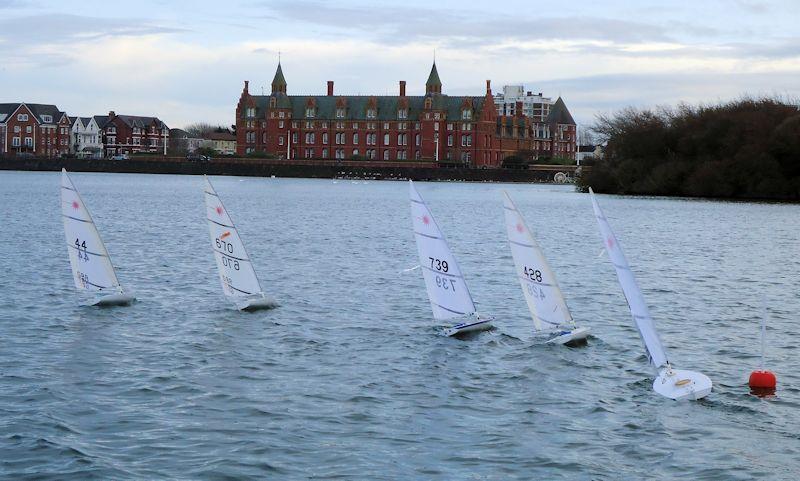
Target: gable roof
x: 559, y: 114
x: 101, y: 120
x: 139, y: 121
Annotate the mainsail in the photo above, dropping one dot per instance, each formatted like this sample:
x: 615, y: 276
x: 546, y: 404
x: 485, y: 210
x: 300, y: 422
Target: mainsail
x: 236, y: 272
x: 91, y: 266
x: 447, y: 290
x: 545, y: 300
x: 639, y: 311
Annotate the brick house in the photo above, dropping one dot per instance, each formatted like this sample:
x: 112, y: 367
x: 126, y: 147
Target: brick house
x: 38, y: 129
x: 127, y: 134
x: 451, y: 130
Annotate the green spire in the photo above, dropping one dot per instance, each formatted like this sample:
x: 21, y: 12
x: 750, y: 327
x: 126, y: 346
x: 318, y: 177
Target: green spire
x: 433, y: 78
x: 279, y: 82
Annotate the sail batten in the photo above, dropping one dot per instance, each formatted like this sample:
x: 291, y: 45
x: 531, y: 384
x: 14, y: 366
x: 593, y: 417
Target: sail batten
x: 236, y: 272
x: 633, y: 295
x: 539, y: 285
x: 447, y: 290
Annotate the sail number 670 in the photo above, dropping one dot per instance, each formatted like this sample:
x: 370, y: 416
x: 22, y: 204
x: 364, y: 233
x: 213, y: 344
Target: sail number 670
x: 225, y: 246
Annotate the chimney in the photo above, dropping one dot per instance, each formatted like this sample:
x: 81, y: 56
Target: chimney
x: 246, y: 86
x: 402, y: 88
x: 111, y: 113
x: 330, y: 88
x: 518, y: 108
x: 489, y: 87
x: 530, y: 93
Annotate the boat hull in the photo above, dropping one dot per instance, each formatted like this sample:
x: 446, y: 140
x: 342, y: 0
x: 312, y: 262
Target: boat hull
x: 571, y: 337
x: 119, y: 299
x: 679, y: 384
x: 467, y: 327
x: 256, y: 304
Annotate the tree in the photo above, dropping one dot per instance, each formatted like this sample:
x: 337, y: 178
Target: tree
x: 199, y: 129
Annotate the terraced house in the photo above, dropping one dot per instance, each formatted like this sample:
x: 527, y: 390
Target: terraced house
x: 128, y: 134
x: 33, y: 129
x: 450, y: 130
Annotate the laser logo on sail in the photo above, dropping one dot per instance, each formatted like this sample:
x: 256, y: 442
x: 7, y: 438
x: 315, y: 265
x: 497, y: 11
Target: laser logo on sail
x: 225, y: 234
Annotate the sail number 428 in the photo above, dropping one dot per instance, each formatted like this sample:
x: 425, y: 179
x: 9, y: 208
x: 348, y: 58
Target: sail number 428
x: 533, y: 274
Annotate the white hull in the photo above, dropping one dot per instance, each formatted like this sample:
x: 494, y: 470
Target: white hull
x: 679, y: 384
x: 256, y: 303
x: 466, y: 327
x: 118, y: 299
x: 574, y: 336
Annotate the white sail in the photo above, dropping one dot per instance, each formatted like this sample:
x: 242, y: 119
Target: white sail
x: 236, y: 273
x: 639, y: 311
x: 91, y: 266
x: 545, y: 300
x: 447, y: 290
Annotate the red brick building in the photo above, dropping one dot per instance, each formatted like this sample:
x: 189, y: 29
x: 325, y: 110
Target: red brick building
x: 37, y: 129
x: 127, y: 134
x: 452, y: 130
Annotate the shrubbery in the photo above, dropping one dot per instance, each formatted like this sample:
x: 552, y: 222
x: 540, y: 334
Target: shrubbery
x: 748, y: 148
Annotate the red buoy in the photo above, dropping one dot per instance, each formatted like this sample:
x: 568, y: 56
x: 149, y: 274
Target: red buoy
x: 763, y: 379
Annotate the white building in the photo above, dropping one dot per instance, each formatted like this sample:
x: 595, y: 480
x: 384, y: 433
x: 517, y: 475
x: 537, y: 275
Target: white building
x: 86, y: 141
x: 536, y: 107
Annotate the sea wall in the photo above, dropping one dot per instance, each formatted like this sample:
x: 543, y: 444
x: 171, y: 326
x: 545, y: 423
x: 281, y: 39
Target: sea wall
x: 295, y: 168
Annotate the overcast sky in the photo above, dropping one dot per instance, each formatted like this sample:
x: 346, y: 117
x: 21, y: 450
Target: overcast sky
x: 186, y: 61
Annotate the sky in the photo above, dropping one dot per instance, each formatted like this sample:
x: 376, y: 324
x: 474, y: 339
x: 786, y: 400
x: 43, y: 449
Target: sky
x: 186, y: 61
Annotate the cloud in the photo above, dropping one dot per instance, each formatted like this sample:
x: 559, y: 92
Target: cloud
x: 65, y: 28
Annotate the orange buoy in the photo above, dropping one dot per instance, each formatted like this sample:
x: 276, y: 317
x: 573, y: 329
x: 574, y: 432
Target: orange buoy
x: 763, y: 379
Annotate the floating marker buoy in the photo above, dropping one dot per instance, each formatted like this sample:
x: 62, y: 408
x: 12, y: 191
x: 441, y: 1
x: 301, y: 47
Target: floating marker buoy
x: 763, y: 379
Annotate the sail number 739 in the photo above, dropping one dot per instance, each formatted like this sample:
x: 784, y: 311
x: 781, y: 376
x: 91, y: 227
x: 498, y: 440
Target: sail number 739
x: 438, y: 264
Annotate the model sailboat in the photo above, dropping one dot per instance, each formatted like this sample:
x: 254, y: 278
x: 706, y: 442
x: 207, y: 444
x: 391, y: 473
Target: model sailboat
x: 548, y: 308
x: 671, y: 383
x: 239, y: 281
x: 92, y: 270
x: 447, y: 291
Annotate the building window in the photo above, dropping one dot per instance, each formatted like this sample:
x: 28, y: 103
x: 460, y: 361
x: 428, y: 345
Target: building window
x: 250, y: 112
x: 28, y: 141
x: 355, y: 138
x: 466, y: 114
x: 402, y: 139
x: 417, y: 139
x: 416, y: 155
x: 17, y: 129
x: 309, y: 125
x: 325, y: 138
x: 28, y: 129
x: 294, y: 137
x: 386, y: 139
x: 386, y: 126
x: 310, y: 112
x: 355, y: 152
x: 280, y: 140
x: 450, y: 126
x: 450, y: 140
x: 281, y: 115
x: 324, y: 153
x: 402, y: 114
x: 15, y: 142
x: 355, y: 125
x: 22, y: 117
x: 339, y: 113
x: 385, y: 155
x: 372, y: 113
x: 436, y: 116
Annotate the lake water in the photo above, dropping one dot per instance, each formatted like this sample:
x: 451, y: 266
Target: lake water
x: 350, y: 378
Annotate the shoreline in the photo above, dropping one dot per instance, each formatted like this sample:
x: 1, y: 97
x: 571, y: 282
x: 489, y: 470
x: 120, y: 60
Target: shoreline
x: 425, y: 171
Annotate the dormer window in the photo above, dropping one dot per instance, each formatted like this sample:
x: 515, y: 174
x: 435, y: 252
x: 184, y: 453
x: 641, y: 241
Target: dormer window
x: 340, y: 113
x: 402, y: 114
x: 466, y: 114
x: 372, y: 113
x: 310, y: 112
x: 250, y: 112
x: 47, y: 118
